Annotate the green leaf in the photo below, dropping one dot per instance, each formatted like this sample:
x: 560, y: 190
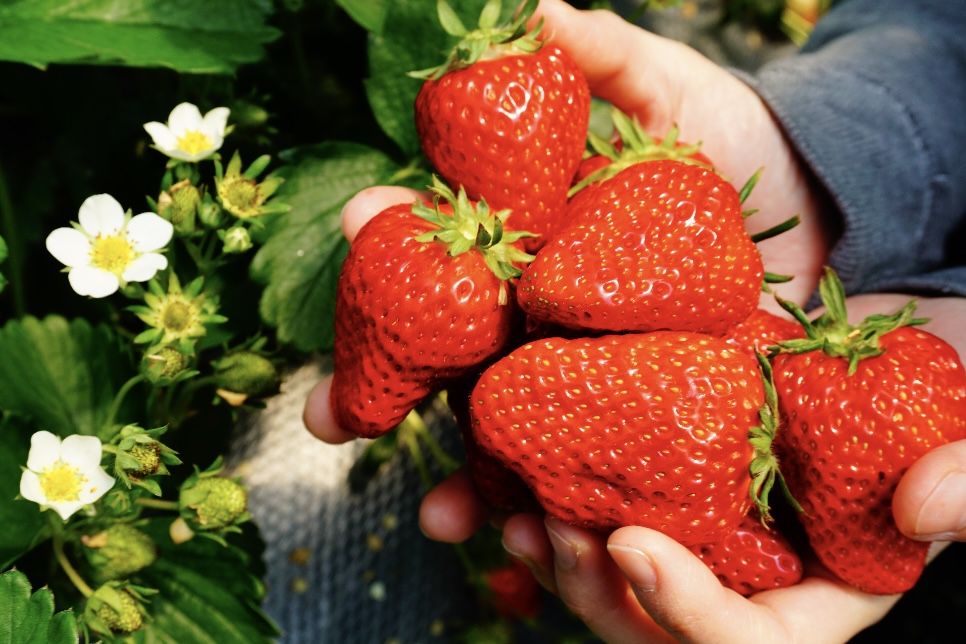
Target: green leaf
x: 62, y: 374
x: 27, y: 618
x: 299, y: 264
x: 416, y: 41
x: 215, y: 36
x: 21, y: 519
x: 209, y: 593
x: 369, y: 14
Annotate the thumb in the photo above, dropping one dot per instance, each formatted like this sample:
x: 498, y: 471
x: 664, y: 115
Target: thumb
x: 930, y: 501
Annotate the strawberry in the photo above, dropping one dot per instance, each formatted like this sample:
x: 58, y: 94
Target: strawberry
x: 514, y: 590
x: 860, y: 404
x: 506, y: 118
x: 751, y: 559
x: 762, y: 329
x: 637, y: 429
x: 421, y: 299
x: 660, y: 246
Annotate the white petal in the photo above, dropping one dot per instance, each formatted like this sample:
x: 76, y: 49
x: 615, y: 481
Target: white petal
x: 144, y: 267
x: 183, y: 118
x: 214, y: 123
x: 98, y: 484
x: 83, y: 452
x: 65, y: 508
x: 91, y: 281
x: 30, y: 488
x: 161, y: 135
x: 148, y: 232
x: 101, y: 215
x: 44, y: 450
x: 69, y: 246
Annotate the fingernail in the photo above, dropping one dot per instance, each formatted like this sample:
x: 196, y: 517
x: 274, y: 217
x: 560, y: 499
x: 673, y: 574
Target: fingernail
x: 521, y: 558
x: 565, y: 552
x: 943, y: 514
x: 636, y: 564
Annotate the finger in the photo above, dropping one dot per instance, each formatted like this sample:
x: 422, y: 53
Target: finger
x: 525, y: 538
x: 930, y: 501
x: 593, y: 587
x: 452, y: 511
x: 367, y: 203
x: 676, y: 589
x: 317, y: 415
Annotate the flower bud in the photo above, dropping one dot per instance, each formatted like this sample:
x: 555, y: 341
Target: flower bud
x: 211, y: 214
x: 119, y: 551
x: 237, y: 240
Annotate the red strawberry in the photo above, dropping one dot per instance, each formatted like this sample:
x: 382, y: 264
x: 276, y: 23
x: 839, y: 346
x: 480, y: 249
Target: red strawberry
x: 761, y: 330
x: 860, y: 405
x: 506, y: 118
x: 500, y: 487
x: 662, y: 247
x: 514, y: 590
x: 422, y: 298
x: 637, y: 429
x: 752, y: 559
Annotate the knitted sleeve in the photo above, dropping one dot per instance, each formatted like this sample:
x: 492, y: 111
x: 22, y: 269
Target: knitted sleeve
x: 875, y: 105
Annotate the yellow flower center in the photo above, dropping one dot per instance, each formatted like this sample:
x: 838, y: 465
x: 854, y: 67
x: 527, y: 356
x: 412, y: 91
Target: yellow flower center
x: 241, y: 196
x: 62, y: 482
x: 177, y: 315
x: 194, y: 142
x: 113, y: 253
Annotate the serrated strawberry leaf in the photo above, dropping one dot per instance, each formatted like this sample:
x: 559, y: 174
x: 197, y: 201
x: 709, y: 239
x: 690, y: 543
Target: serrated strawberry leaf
x: 63, y: 374
x: 21, y: 520
x: 215, y: 36
x: 299, y: 263
x: 29, y: 618
x: 208, y: 593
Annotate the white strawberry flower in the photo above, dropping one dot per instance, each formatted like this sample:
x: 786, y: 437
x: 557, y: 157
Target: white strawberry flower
x: 64, y: 475
x: 189, y: 136
x: 109, y: 248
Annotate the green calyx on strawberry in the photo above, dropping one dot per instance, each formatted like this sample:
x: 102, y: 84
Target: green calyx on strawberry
x: 831, y: 332
x: 474, y: 227
x: 636, y: 146
x: 489, y: 40
x: 859, y: 405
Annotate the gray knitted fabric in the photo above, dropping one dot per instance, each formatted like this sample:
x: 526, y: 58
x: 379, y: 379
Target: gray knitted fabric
x: 343, y: 566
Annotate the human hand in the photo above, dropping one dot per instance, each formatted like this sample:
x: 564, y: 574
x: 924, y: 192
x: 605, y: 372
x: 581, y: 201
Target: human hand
x: 638, y: 585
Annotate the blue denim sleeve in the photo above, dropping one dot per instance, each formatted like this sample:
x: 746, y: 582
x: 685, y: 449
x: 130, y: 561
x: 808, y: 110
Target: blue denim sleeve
x: 875, y: 104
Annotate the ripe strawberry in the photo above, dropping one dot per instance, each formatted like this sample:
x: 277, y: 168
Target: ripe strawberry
x: 860, y: 405
x: 514, y: 590
x: 422, y: 298
x: 752, y: 559
x: 638, y: 429
x: 761, y: 330
x: 661, y: 246
x: 506, y: 118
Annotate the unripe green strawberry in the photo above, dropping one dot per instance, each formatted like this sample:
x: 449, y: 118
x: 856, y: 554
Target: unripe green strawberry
x: 161, y: 365
x: 247, y: 372
x: 216, y: 502
x: 119, y: 551
x: 113, y: 609
x: 179, y: 205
